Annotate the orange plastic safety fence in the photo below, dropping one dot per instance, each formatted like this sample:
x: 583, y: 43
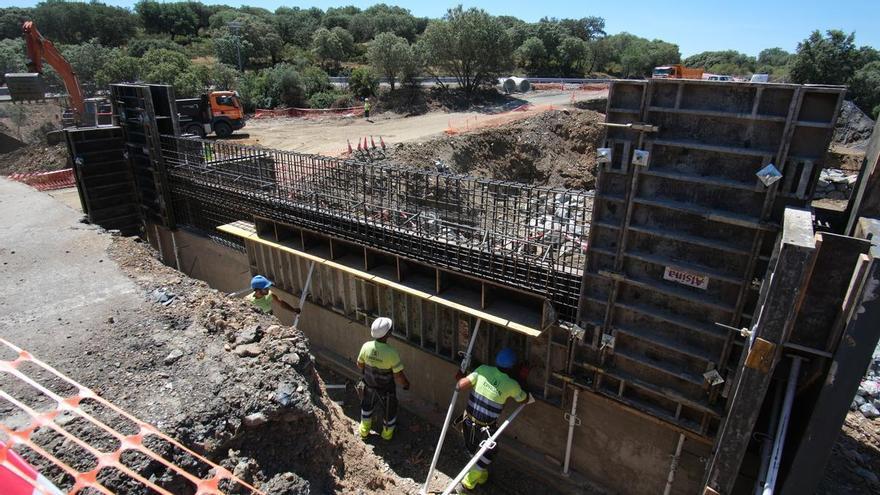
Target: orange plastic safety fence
x: 105, y: 459
x: 46, y: 181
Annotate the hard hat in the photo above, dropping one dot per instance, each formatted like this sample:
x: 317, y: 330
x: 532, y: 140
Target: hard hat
x: 381, y: 326
x: 260, y: 282
x: 506, y: 358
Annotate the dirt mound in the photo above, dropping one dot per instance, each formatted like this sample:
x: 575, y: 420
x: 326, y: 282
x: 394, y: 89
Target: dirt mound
x: 29, y: 122
x: 227, y: 382
x: 556, y: 148
x: 853, y: 127
x: 34, y: 158
x: 410, y: 101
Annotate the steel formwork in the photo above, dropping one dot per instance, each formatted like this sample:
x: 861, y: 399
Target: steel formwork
x: 527, y: 237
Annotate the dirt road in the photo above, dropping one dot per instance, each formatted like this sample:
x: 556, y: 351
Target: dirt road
x: 329, y: 135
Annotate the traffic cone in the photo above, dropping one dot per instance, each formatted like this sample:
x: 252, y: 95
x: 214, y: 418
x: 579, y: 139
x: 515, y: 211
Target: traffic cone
x: 382, y: 142
x: 359, y: 145
x: 349, y: 146
x: 372, y: 143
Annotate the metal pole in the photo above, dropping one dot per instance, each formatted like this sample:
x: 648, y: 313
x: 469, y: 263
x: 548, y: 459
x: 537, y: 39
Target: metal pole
x: 767, y: 444
x: 465, y: 362
x: 176, y: 254
x: 484, y: 446
x: 674, y: 465
x: 305, y: 292
x: 572, y: 422
x: 783, y: 426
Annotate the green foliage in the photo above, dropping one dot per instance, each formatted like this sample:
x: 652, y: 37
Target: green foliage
x: 774, y: 57
x: 89, y: 58
x: 726, y: 62
x: 314, y: 80
x: 469, y: 44
x: 585, y: 28
x: 393, y: 57
x: 865, y: 88
x: 330, y: 99
x: 252, y: 89
x: 170, y: 67
x: 12, y: 58
x: 118, y: 69
x: 11, y: 20
x: 829, y: 59
x: 284, y: 86
x: 77, y: 22
x: 363, y: 82
x: 228, y: 48
x: 139, y: 46
x: 296, y: 25
x: 631, y: 56
x: 331, y: 46
x: 382, y: 18
x: 571, y: 54
x: 531, y: 55
x: 175, y: 19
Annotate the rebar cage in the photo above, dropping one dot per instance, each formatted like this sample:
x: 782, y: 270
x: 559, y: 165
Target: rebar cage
x: 528, y: 237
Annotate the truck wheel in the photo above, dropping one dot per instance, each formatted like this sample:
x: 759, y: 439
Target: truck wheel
x: 222, y: 129
x: 196, y: 130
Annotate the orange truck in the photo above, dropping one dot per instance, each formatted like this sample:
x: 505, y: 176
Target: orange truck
x: 219, y: 112
x: 676, y: 71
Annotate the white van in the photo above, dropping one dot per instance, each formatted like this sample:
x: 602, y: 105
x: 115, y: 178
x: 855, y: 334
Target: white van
x: 760, y: 78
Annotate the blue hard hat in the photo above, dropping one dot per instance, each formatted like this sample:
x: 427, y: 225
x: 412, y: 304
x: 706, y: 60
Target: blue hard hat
x: 260, y: 282
x: 506, y: 358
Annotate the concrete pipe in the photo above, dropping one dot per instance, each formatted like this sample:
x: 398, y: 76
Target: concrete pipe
x: 508, y: 85
x: 524, y: 86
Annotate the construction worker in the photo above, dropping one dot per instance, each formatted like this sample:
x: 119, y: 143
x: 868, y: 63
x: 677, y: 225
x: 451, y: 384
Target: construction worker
x: 263, y: 298
x: 491, y: 387
x: 367, y: 107
x: 382, y: 371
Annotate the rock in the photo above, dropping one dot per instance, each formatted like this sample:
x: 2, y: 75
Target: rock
x: 859, y: 401
x: 869, y: 388
x: 284, y: 393
x: 286, y: 484
x: 248, y: 350
x: 254, y: 420
x: 173, y: 356
x: 869, y: 411
x: 248, y: 335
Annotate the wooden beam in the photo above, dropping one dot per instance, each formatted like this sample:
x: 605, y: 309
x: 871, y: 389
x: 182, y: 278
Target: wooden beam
x: 779, y: 301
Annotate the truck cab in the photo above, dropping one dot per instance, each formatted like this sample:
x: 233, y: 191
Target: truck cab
x: 676, y: 71
x: 219, y: 112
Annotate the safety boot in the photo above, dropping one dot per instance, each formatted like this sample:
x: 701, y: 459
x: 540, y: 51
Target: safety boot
x: 364, y: 428
x: 474, y: 477
x: 387, y: 432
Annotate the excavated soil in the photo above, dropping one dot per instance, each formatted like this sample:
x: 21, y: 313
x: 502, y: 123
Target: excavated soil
x: 555, y: 148
x: 34, y: 158
x: 227, y: 382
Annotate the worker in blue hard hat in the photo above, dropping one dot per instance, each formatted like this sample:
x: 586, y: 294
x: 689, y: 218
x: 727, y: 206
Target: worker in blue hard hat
x: 490, y: 387
x: 382, y: 372
x: 263, y: 298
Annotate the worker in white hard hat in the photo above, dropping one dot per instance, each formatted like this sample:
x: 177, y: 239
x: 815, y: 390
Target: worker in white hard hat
x: 382, y: 372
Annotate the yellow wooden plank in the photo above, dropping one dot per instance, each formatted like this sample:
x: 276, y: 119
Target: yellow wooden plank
x: 478, y: 313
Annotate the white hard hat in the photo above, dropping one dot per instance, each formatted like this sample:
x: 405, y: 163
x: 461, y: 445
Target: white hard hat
x: 381, y: 326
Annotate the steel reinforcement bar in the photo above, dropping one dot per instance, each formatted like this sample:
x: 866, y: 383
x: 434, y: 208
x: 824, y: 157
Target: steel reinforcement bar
x: 528, y: 237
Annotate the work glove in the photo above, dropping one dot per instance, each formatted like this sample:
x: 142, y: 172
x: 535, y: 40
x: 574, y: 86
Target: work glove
x: 459, y: 375
x: 531, y: 399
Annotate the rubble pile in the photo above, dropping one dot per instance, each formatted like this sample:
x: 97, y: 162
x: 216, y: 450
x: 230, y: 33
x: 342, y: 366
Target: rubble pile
x: 867, y: 399
x: 835, y: 184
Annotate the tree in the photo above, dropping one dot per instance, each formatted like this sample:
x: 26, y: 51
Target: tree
x: 12, y: 58
x: 829, y: 59
x: 118, y: 69
x: 176, y: 19
x: 295, y: 25
x: 390, y: 55
x: 723, y: 62
x: 170, y: 67
x: 585, y: 28
x: 363, y: 82
x: 139, y: 46
x: 774, y: 57
x: 88, y: 58
x: 221, y: 76
x: 631, y: 56
x: 230, y: 46
x: 76, y: 22
x: 11, y: 20
x: 327, y: 47
x: 314, y: 80
x: 865, y: 89
x: 469, y: 44
x: 531, y: 55
x: 284, y: 86
x: 571, y: 54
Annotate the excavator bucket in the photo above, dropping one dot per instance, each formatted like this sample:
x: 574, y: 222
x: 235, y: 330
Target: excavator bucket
x: 26, y: 86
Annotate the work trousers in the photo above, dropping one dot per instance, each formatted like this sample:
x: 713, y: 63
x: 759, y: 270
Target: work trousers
x: 474, y: 434
x: 371, y: 399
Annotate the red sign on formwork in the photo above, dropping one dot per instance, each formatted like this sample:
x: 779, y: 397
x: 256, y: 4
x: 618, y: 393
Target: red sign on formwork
x: 47, y: 181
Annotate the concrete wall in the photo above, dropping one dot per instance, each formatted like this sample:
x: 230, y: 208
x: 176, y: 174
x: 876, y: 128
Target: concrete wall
x: 613, y: 447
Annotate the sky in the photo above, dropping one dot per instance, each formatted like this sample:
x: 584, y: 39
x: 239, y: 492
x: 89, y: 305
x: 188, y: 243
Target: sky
x: 744, y: 25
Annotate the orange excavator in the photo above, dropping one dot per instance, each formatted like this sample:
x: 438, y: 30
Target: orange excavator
x: 29, y: 86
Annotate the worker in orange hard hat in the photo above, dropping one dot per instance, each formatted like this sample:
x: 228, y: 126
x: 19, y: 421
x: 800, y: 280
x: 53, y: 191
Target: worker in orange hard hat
x: 382, y: 371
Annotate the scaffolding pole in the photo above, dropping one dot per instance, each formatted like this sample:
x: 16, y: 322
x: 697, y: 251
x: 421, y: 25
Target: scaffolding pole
x: 465, y: 363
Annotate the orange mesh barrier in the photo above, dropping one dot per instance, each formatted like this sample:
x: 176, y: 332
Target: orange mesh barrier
x: 47, y: 181
x: 46, y: 419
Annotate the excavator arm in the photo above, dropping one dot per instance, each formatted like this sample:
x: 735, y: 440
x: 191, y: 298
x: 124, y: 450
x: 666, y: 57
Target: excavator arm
x: 40, y: 49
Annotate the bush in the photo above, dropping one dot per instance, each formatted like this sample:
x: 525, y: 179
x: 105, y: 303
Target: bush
x: 284, y: 86
x: 330, y: 99
x: 138, y: 47
x: 314, y: 81
x: 363, y: 82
